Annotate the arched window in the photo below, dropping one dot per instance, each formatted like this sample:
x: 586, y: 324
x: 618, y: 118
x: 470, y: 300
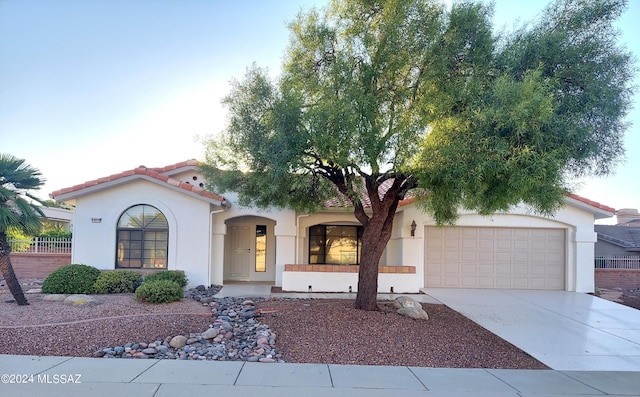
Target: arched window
x: 142, y: 238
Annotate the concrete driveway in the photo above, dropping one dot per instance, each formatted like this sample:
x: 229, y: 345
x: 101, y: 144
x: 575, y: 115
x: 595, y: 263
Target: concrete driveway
x: 565, y: 330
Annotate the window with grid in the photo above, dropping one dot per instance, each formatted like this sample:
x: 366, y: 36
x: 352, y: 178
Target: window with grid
x: 335, y: 244
x: 142, y: 238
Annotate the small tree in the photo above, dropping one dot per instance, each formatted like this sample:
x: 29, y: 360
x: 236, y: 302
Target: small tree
x: 18, y: 211
x: 380, y: 98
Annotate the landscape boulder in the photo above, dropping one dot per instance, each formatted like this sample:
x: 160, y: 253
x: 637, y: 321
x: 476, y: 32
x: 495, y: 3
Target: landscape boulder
x: 178, y: 341
x: 410, y: 308
x: 54, y: 297
x: 78, y: 299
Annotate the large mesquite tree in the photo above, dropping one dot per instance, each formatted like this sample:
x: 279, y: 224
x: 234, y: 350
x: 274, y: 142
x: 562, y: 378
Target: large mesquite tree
x: 411, y: 96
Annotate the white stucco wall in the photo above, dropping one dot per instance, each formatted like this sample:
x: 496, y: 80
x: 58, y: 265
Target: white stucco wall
x: 284, y: 233
x: 197, y: 234
x: 94, y: 243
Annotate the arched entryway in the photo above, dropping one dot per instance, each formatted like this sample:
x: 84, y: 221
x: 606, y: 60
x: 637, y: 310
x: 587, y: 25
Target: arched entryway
x: 249, y: 251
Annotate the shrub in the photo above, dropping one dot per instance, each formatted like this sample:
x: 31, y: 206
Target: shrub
x: 159, y: 291
x: 71, y: 279
x: 177, y: 276
x: 118, y: 281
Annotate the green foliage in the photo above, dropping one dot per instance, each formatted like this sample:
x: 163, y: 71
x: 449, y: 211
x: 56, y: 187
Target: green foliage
x: 71, y: 279
x: 159, y: 291
x: 117, y: 281
x: 410, y: 91
x: 54, y: 231
x: 20, y: 241
x: 177, y: 276
x: 18, y: 207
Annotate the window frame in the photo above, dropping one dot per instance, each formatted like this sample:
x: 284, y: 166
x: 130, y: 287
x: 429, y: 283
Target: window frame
x: 319, y: 256
x: 146, y: 246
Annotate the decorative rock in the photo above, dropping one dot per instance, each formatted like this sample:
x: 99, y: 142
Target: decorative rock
x: 210, y: 333
x: 54, y: 297
x: 233, y: 336
x: 414, y: 312
x: 178, y: 341
x: 79, y: 299
x: 405, y: 301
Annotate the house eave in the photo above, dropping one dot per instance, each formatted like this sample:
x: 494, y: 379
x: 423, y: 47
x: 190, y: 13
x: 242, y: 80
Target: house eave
x: 98, y: 187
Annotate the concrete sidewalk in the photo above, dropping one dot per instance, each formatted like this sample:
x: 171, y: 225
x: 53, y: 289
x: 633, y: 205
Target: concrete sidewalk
x: 44, y: 376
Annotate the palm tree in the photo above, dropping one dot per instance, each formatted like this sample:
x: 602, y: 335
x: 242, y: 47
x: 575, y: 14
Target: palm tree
x: 17, y: 210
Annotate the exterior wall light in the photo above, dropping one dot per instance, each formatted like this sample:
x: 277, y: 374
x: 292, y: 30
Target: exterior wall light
x: 413, y: 228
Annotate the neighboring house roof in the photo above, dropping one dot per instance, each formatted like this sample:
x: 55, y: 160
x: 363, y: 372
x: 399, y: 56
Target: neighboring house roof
x: 631, y: 223
x: 160, y: 176
x: 623, y: 236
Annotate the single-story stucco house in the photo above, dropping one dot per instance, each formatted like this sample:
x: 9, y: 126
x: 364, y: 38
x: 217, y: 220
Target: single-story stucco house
x: 162, y: 218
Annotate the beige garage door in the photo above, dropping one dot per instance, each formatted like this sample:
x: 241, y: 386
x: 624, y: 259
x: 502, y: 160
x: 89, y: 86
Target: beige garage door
x: 492, y: 257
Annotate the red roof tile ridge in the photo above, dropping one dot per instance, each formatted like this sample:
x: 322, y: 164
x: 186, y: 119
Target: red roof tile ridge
x: 155, y: 173
x: 591, y: 202
x: 171, y: 167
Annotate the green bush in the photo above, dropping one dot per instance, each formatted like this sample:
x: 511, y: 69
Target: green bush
x: 117, y: 281
x: 159, y: 291
x: 71, y: 279
x: 177, y: 276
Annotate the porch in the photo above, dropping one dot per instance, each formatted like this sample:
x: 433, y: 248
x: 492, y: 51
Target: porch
x: 344, y: 278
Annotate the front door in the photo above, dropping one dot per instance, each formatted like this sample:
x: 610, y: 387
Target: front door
x: 241, y: 252
x: 250, y: 250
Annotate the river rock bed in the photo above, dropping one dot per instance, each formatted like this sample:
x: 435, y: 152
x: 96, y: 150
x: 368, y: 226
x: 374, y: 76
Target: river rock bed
x: 234, y: 335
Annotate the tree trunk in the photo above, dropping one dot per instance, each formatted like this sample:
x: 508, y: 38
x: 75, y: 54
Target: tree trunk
x: 376, y: 235
x: 7, y: 272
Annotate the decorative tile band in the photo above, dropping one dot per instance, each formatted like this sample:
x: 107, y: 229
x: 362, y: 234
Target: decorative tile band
x: 347, y: 269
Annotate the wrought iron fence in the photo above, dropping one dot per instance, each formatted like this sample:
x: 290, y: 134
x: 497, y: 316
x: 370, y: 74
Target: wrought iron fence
x: 618, y: 262
x: 41, y: 245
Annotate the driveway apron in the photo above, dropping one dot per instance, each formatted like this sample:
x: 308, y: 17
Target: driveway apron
x: 567, y: 331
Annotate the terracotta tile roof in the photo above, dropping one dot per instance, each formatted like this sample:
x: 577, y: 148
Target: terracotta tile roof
x: 342, y: 201
x: 591, y: 203
x: 156, y: 174
x: 173, y: 167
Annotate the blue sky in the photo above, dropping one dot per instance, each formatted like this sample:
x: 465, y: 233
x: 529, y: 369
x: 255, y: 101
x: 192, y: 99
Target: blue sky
x: 94, y: 87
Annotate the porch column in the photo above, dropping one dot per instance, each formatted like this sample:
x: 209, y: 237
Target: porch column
x: 285, y: 249
x: 413, y: 253
x: 216, y: 263
x: 584, y: 263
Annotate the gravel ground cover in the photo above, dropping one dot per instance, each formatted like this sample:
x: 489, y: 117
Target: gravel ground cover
x: 308, y: 331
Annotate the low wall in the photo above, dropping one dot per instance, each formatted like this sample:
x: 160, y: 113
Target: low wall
x: 622, y: 278
x: 339, y: 278
x: 37, y: 266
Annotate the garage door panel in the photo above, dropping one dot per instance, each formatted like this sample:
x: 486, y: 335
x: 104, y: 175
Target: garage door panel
x: 484, y: 269
x: 503, y: 282
x: 451, y: 282
x: 485, y: 257
x: 485, y: 282
x: 503, y: 244
x: 485, y: 244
